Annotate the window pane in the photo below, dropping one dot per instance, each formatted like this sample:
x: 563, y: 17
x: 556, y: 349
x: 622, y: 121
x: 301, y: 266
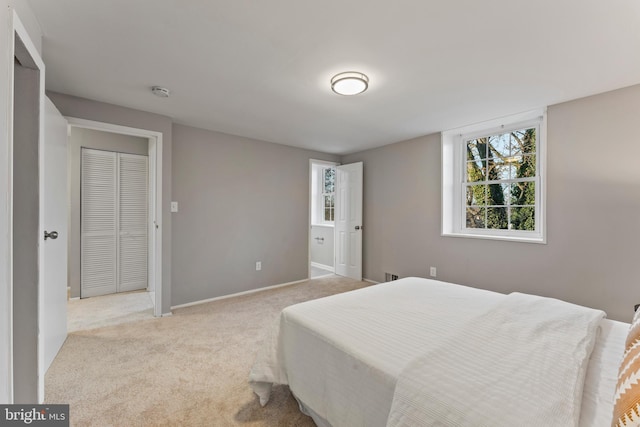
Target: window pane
x: 328, y: 207
x: 523, y: 193
x: 475, y: 217
x: 475, y: 171
x: 477, y: 149
x: 328, y: 214
x: 525, y: 166
x: 497, y: 217
x: 523, y: 218
x: 506, y: 191
x: 499, y: 170
x: 523, y: 141
x: 329, y: 180
x: 496, y: 194
x: 476, y: 195
x: 499, y: 146
x: 328, y: 201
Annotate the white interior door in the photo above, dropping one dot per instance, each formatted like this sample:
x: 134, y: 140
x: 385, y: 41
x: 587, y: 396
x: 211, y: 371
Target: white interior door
x: 348, y: 221
x: 53, y: 318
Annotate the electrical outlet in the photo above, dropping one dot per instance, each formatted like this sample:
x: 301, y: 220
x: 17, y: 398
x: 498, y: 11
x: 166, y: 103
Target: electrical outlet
x: 432, y: 272
x: 258, y: 265
x: 174, y: 206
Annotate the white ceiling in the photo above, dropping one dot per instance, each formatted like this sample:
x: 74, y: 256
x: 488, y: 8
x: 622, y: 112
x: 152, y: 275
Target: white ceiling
x: 261, y: 69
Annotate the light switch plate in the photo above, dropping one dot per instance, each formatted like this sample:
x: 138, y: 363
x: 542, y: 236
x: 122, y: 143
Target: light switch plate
x: 174, y: 206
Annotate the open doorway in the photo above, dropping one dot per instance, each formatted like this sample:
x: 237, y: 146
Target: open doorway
x: 123, y: 147
x: 26, y: 221
x: 37, y: 191
x: 108, y: 225
x: 335, y: 219
x: 322, y: 181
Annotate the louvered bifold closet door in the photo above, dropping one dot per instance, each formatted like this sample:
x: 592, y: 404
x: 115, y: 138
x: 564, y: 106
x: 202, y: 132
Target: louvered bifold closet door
x: 98, y: 223
x: 133, y: 209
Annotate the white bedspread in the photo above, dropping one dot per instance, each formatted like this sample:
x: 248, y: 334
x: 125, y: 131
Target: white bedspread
x: 331, y: 350
x: 342, y: 355
x: 521, y: 363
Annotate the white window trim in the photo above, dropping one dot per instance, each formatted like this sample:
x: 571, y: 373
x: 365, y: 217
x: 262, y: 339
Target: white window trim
x: 453, y: 218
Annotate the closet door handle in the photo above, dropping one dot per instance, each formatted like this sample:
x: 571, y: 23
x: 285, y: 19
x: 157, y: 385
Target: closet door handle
x: 53, y: 235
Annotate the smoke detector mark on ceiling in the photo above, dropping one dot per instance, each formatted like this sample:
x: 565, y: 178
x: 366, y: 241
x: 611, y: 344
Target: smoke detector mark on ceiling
x: 162, y: 92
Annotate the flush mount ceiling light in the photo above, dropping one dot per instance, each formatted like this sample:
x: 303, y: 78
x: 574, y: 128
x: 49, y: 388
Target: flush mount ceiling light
x: 349, y: 83
x: 162, y: 92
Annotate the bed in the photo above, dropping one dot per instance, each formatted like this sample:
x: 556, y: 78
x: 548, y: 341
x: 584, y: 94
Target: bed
x: 423, y: 352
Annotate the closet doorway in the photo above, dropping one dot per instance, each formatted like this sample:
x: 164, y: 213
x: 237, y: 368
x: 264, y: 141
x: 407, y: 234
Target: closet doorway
x: 140, y: 150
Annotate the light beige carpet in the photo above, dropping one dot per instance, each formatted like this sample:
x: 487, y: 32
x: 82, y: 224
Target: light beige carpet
x: 190, y: 369
x: 107, y: 310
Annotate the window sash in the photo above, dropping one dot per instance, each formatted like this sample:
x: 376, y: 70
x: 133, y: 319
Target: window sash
x: 462, y: 163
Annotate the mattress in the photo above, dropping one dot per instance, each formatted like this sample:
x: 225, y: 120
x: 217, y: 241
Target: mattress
x: 341, y: 355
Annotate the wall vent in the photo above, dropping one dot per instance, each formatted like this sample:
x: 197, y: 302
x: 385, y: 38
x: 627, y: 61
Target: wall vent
x: 388, y: 277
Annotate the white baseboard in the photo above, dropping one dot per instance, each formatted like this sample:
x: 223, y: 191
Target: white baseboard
x: 252, y: 291
x: 370, y: 281
x: 322, y: 266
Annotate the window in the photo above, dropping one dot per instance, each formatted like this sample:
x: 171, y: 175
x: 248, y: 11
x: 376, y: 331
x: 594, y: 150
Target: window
x: 323, y: 187
x: 328, y: 182
x: 493, y: 179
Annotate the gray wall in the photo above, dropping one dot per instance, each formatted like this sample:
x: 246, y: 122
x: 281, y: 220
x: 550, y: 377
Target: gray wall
x: 243, y: 201
x: 322, y: 250
x: 240, y: 201
x: 107, y: 113
x: 102, y: 141
x: 593, y: 210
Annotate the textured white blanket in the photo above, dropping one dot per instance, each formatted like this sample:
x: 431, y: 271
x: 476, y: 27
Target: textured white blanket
x: 326, y: 349
x: 522, y: 363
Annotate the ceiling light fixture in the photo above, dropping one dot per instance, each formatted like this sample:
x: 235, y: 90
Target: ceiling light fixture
x: 162, y: 92
x: 349, y: 83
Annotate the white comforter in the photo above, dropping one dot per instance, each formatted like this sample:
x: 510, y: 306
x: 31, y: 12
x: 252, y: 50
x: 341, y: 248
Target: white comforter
x: 522, y: 363
x: 343, y: 355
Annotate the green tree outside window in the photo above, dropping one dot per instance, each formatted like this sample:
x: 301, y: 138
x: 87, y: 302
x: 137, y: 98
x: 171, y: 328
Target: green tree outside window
x: 500, y: 180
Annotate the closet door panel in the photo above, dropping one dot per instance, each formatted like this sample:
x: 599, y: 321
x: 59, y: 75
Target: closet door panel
x: 98, y: 223
x: 133, y: 215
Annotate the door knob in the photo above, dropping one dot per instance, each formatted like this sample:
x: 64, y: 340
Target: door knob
x: 53, y: 235
x: 358, y: 227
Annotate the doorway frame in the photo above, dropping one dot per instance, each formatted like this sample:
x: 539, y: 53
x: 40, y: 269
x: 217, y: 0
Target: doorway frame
x: 154, y: 235
x: 313, y: 162
x: 19, y: 31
